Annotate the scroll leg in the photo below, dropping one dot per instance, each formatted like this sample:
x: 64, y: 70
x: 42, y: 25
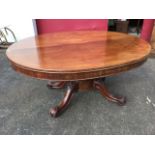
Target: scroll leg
x: 55, y: 111
x: 104, y: 91
x: 52, y: 84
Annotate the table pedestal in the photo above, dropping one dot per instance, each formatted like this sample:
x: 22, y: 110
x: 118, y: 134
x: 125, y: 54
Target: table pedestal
x: 75, y: 86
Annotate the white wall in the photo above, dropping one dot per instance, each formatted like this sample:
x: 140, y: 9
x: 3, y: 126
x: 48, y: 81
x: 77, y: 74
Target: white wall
x: 22, y: 28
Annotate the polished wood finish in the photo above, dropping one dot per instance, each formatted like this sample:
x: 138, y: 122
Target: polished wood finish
x: 104, y: 91
x: 76, y: 86
x: 85, y: 85
x: 79, y: 59
x: 77, y: 75
x: 78, y: 55
x: 57, y: 110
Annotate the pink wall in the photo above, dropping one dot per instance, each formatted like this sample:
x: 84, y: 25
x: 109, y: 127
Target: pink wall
x: 147, y: 29
x: 53, y: 25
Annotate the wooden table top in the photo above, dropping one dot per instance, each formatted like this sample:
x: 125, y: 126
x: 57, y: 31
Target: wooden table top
x: 77, y: 54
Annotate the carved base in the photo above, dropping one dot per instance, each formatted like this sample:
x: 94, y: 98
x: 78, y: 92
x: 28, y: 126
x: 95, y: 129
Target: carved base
x: 71, y: 88
x: 75, y: 86
x: 104, y: 91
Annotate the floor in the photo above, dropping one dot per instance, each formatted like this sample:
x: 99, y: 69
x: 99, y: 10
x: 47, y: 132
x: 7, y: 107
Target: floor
x: 24, y: 105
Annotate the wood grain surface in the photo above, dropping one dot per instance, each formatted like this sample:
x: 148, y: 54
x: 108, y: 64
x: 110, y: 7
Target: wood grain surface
x: 77, y: 55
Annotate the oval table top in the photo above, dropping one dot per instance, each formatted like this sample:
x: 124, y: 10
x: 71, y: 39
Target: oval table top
x: 77, y: 55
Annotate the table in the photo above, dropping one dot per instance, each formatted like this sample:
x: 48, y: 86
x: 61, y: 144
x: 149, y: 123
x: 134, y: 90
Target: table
x: 78, y: 60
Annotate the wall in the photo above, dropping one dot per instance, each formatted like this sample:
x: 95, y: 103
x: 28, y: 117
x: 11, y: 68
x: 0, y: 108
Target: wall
x: 53, y: 25
x: 147, y: 29
x: 22, y: 28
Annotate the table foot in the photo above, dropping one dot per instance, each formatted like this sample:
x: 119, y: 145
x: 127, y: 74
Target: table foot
x: 52, y: 84
x: 71, y: 88
x: 104, y: 91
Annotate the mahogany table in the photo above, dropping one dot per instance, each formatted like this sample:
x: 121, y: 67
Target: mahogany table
x: 78, y: 59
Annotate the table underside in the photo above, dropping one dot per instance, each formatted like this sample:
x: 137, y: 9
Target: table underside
x: 84, y: 85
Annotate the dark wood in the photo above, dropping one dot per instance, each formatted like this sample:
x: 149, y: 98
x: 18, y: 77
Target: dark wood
x: 78, y: 59
x: 83, y: 86
x: 122, y: 26
x: 55, y: 111
x: 78, y: 75
x: 57, y: 84
x: 104, y: 91
x: 78, y: 55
